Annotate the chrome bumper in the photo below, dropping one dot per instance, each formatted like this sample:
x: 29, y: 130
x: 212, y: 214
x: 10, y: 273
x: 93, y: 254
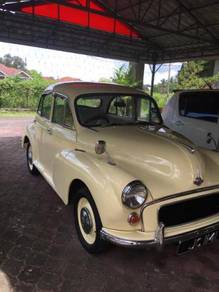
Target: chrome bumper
x: 159, y: 239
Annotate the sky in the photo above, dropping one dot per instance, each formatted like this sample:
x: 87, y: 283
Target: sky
x: 88, y: 68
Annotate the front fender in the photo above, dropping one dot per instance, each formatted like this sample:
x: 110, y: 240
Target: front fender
x: 30, y: 135
x: 105, y: 182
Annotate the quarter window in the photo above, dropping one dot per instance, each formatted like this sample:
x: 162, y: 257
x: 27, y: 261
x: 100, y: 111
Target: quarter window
x: 199, y: 105
x: 144, y: 110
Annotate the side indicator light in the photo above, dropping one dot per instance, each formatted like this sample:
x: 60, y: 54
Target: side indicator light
x: 133, y: 218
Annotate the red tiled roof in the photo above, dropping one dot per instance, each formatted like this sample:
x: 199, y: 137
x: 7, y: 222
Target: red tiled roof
x: 9, y: 71
x: 49, y: 78
x: 67, y: 78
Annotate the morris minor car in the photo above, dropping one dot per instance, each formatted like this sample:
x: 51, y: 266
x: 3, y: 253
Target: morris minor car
x: 130, y: 180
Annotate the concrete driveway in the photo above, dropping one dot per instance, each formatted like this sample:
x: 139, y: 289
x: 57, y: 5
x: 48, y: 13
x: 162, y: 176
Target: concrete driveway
x: 39, y: 250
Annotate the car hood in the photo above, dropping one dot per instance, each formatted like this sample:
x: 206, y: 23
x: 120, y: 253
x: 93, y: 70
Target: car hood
x: 165, y: 161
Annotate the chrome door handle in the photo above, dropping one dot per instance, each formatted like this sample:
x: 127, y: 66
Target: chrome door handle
x: 179, y: 123
x: 49, y: 131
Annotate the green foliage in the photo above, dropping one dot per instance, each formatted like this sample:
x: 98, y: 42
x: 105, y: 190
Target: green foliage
x: 162, y: 86
x: 105, y: 80
x: 189, y: 75
x: 124, y: 75
x: 161, y: 99
x: 18, y: 93
x: 13, y: 61
x: 196, y: 75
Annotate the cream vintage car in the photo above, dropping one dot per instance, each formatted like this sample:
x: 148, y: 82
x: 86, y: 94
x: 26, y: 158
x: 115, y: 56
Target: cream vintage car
x: 131, y: 181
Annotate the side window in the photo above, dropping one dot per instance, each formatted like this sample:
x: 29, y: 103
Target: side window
x: 182, y: 105
x: 147, y: 111
x: 62, y: 114
x: 201, y: 106
x: 144, y: 110
x: 68, y: 120
x: 46, y: 106
x: 39, y: 110
x: 59, y: 110
x: 122, y: 106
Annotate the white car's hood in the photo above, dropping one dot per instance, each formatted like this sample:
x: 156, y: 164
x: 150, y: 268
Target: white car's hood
x: 165, y: 161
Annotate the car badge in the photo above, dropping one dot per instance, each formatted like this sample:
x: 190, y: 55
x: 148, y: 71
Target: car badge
x: 198, y: 181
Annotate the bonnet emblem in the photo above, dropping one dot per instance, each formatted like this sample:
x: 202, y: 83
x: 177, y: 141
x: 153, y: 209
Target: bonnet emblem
x: 198, y: 181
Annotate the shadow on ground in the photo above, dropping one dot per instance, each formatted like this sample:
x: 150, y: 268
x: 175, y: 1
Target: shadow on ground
x: 39, y: 250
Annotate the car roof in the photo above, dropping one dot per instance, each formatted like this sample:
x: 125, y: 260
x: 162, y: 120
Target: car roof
x: 73, y: 89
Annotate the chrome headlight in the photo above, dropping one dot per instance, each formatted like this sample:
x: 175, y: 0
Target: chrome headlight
x: 134, y: 195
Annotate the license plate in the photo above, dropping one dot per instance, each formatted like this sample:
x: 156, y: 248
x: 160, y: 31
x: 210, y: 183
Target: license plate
x: 191, y: 244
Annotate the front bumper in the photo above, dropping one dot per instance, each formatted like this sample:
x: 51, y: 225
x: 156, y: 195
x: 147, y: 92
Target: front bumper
x: 159, y: 240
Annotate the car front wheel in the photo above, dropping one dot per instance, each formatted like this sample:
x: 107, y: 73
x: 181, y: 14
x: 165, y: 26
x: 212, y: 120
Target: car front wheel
x: 87, y: 222
x: 31, y: 167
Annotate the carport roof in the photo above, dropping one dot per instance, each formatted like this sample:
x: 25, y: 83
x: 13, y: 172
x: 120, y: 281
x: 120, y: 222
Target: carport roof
x: 137, y: 30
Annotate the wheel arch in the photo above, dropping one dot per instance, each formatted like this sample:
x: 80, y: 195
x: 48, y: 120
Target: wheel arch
x: 74, y: 186
x: 25, y: 141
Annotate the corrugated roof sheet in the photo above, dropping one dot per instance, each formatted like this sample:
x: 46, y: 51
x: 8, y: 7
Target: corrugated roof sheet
x: 149, y: 31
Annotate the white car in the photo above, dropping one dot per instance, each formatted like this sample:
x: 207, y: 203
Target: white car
x: 194, y: 114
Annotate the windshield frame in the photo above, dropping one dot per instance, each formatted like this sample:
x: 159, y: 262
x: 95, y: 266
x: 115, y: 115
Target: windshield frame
x: 113, y: 95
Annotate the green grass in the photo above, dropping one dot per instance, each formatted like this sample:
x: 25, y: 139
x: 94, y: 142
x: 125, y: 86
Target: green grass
x: 14, y: 114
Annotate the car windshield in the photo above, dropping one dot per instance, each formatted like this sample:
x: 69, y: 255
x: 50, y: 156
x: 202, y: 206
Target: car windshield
x: 102, y: 110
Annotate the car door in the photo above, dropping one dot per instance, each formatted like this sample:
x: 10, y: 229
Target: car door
x: 61, y: 134
x: 197, y: 117
x: 42, y: 126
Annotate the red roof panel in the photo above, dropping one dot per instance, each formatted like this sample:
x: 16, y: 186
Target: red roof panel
x: 73, y: 15
x: 81, y: 17
x: 101, y: 22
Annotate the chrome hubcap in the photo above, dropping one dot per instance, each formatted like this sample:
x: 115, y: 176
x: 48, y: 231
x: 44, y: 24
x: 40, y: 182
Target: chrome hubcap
x: 86, y: 220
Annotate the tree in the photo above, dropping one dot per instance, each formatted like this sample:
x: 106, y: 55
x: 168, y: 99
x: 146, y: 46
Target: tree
x: 196, y: 74
x: 13, y: 61
x: 189, y: 75
x: 18, y: 93
x: 105, y: 80
x: 125, y: 75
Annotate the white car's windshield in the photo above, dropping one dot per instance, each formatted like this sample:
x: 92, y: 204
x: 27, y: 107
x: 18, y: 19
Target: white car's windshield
x: 102, y: 110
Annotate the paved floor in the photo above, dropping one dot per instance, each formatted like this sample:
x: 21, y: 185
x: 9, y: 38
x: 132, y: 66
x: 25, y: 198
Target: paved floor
x: 39, y: 250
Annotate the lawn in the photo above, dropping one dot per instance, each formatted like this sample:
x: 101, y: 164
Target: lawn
x: 20, y: 114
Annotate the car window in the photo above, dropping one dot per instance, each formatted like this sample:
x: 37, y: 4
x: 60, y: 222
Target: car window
x: 122, y: 106
x: 68, y: 119
x: 200, y: 105
x: 46, y: 106
x: 89, y: 102
x: 59, y: 110
x: 144, y: 110
x: 62, y: 114
x: 39, y: 109
x: 117, y: 109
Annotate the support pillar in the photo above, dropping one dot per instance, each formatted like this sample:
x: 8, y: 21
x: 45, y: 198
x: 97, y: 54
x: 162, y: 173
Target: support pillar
x: 138, y: 73
x: 153, y: 71
x: 154, y: 68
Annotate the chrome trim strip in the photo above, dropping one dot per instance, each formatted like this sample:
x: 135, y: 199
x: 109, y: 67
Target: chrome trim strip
x: 190, y: 148
x: 159, y: 234
x: 124, y: 242
x: 173, y: 196
x: 162, y: 240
